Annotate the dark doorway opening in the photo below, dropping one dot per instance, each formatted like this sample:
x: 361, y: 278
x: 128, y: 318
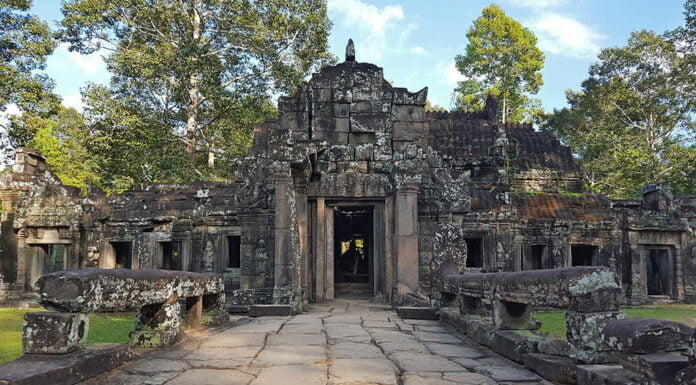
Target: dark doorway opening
x: 171, y: 255
x: 583, y: 255
x: 534, y: 257
x: 122, y: 255
x: 658, y: 272
x: 353, y: 237
x: 234, y: 252
x: 474, y: 249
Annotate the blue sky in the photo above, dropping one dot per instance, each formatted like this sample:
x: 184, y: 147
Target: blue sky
x: 416, y: 40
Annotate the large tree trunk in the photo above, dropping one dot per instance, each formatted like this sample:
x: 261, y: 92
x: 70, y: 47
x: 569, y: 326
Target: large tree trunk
x: 193, y: 90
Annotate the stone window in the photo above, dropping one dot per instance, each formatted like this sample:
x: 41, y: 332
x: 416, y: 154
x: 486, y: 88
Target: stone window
x: 54, y: 257
x: 122, y: 255
x: 171, y: 255
x: 474, y: 247
x: 534, y: 256
x: 234, y: 252
x: 583, y: 255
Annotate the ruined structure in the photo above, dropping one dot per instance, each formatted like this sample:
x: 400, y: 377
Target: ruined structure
x: 357, y: 189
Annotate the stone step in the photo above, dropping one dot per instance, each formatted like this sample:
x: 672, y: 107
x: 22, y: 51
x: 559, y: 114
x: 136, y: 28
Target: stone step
x: 269, y: 310
x: 415, y: 312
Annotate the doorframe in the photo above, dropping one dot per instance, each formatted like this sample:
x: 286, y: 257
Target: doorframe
x: 323, y: 245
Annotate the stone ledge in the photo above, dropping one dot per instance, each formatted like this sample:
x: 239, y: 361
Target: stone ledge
x: 65, y: 369
x: 269, y: 310
x: 415, y: 312
x: 553, y: 368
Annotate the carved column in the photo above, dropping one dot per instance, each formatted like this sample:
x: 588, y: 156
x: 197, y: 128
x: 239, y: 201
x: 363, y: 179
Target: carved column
x: 282, y: 230
x: 406, y: 231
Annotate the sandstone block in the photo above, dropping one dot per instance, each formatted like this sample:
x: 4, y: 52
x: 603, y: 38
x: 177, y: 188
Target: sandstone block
x: 585, y: 329
x: 269, y: 310
x: 513, y: 345
x: 412, y: 312
x: 660, y: 367
x: 553, y: 368
x: 643, y: 335
x: 54, y: 333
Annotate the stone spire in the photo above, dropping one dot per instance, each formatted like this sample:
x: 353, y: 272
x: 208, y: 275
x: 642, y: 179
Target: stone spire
x: 350, y: 51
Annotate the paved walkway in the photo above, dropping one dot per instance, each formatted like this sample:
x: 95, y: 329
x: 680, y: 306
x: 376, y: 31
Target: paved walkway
x: 344, y: 342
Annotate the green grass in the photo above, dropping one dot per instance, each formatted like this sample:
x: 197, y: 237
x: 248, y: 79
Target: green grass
x: 104, y: 328
x: 553, y: 322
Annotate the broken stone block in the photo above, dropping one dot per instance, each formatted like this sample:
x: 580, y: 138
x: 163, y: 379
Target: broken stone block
x: 451, y: 316
x: 514, y: 316
x: 54, y: 333
x: 660, y: 367
x: 269, y: 310
x: 644, y: 335
x: 514, y: 345
x: 558, y: 369
x: 584, y: 330
x: 471, y: 305
x: 412, y: 312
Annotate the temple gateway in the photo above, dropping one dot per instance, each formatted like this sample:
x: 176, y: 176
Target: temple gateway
x: 357, y: 190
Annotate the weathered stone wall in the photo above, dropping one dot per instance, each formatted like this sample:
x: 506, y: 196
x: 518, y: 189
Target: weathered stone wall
x: 348, y: 137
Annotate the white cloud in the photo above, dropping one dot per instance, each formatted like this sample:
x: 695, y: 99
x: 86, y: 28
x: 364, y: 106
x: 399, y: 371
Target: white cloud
x: 91, y: 64
x: 449, y: 73
x: 418, y: 50
x: 565, y: 36
x: 74, y: 101
x: 538, y: 4
x: 373, y: 26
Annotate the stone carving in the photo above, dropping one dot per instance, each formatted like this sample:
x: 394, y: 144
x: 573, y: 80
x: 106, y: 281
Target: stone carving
x: 209, y: 257
x: 92, y: 255
x: 261, y: 264
x: 350, y: 51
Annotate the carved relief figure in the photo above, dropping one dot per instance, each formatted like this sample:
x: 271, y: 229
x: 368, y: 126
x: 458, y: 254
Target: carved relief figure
x: 261, y: 263
x: 208, y: 257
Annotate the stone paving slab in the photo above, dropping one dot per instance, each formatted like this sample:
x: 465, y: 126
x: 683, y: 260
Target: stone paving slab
x: 352, y: 370
x: 341, y: 343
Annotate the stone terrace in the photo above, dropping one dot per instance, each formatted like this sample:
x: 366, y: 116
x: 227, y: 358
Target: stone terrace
x: 342, y: 342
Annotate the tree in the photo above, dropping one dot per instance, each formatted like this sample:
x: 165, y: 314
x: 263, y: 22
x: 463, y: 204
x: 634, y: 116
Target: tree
x: 434, y: 107
x: 501, y: 58
x: 64, y: 139
x: 632, y: 123
x: 25, y: 42
x: 189, y: 64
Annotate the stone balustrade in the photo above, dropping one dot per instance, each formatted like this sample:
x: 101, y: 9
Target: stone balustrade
x: 497, y: 310
x: 154, y: 294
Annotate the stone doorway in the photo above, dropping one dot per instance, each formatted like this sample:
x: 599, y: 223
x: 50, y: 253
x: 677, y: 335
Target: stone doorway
x: 657, y: 271
x: 353, y: 251
x: 336, y: 225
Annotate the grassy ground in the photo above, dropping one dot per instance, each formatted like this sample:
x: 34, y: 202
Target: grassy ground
x: 110, y: 328
x: 553, y: 322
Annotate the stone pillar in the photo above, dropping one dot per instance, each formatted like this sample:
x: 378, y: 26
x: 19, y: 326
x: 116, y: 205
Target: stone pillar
x: 329, y: 253
x: 303, y: 233
x: 319, y: 250
x: 157, y: 325
x: 282, y: 230
x: 8, y: 238
x: 406, y: 229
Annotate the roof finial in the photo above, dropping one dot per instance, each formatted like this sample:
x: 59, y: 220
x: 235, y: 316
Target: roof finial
x: 350, y: 51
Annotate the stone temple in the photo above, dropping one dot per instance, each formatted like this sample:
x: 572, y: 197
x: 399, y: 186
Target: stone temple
x: 357, y: 190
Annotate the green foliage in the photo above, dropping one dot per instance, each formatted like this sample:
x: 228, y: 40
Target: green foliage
x: 501, y: 58
x: 434, y: 107
x: 193, y: 73
x: 25, y: 42
x: 632, y: 123
x: 65, y: 141
x: 111, y: 328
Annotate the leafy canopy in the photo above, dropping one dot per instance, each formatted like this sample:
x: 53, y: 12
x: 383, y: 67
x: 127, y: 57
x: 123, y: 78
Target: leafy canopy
x: 501, y: 58
x: 190, y: 77
x: 25, y: 42
x: 633, y: 121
